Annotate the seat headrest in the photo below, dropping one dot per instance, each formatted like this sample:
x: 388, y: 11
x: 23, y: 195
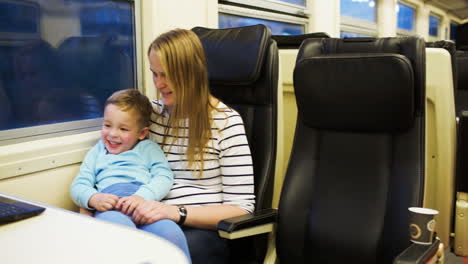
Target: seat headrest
x: 294, y: 41
x: 445, y: 44
x: 358, y: 92
x: 234, y: 68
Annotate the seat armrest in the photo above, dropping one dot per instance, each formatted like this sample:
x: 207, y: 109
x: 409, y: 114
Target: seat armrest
x: 418, y: 254
x: 247, y: 225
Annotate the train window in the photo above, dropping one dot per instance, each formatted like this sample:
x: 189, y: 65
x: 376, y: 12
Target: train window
x: 434, y: 23
x: 57, y: 70
x: 293, y: 7
x: 405, y: 17
x: 359, y: 17
x: 277, y: 27
x: 280, y: 24
x: 360, y: 9
x: 19, y: 20
x: 453, y: 31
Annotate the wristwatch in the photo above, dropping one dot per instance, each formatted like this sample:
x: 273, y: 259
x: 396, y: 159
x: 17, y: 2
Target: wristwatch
x: 182, y: 214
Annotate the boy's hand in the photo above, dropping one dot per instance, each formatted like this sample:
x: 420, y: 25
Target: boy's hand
x: 103, y: 201
x: 128, y: 204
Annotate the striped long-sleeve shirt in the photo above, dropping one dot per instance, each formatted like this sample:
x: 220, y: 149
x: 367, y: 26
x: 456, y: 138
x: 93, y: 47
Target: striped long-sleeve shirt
x: 227, y: 176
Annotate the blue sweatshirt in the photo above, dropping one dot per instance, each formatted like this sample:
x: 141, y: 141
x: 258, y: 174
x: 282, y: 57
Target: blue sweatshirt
x: 145, y: 164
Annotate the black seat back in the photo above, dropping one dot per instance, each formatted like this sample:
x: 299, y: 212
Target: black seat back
x: 243, y: 73
x: 461, y: 94
x: 357, y: 162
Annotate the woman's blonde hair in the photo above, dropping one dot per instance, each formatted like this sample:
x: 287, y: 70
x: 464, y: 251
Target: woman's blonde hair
x: 183, y: 60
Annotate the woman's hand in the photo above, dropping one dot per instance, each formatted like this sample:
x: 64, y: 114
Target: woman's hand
x: 149, y: 212
x: 103, y: 201
x: 128, y: 204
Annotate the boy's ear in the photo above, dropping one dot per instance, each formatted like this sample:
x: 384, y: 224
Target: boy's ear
x: 143, y: 133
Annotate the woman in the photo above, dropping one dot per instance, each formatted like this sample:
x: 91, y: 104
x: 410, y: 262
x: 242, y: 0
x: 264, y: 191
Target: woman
x: 205, y: 144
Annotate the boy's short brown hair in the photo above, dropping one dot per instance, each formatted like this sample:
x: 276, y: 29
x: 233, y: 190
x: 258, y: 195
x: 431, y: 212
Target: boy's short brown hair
x: 132, y: 99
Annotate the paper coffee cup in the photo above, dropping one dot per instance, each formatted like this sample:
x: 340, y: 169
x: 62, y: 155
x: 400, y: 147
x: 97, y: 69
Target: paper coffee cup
x: 422, y: 225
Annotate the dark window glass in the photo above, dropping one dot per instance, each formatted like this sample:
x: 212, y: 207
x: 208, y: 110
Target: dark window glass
x: 434, y: 26
x: 405, y: 17
x: 453, y: 31
x: 361, y: 9
x: 66, y: 72
x: 19, y: 17
x: 277, y: 28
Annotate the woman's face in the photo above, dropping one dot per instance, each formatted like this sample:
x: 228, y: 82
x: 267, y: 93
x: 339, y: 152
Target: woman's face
x: 160, y: 81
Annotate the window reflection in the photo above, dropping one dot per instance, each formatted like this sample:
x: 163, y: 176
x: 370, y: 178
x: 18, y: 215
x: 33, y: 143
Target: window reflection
x: 277, y: 28
x: 58, y: 72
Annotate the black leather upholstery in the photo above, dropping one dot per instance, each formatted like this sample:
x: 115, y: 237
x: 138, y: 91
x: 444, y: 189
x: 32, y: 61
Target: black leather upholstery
x: 294, y: 41
x: 348, y: 186
x: 461, y: 104
x: 243, y: 73
x: 462, y: 152
x: 461, y: 95
x: 359, y: 78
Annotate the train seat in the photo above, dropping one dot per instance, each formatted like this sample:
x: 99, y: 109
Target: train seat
x: 243, y: 73
x: 288, y: 47
x: 357, y: 162
x: 461, y: 208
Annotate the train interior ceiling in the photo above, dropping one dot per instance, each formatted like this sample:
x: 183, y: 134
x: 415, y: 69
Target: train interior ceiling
x: 61, y: 59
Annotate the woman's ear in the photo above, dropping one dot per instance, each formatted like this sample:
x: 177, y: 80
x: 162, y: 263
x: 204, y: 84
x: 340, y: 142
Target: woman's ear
x: 143, y: 133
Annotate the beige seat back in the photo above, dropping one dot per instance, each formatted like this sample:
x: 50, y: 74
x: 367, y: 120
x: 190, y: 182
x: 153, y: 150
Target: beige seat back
x: 440, y: 139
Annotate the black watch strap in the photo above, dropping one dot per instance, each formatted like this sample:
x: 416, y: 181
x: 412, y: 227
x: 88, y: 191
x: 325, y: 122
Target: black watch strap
x: 182, y: 214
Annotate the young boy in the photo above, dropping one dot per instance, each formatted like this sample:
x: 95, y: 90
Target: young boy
x: 123, y: 169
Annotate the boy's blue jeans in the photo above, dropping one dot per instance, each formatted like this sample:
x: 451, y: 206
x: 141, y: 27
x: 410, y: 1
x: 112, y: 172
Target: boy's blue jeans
x: 164, y: 228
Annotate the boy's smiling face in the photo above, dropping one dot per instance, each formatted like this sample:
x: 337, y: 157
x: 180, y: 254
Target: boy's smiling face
x: 120, y: 129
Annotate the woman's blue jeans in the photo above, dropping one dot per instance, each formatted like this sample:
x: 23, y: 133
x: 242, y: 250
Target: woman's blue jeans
x: 164, y: 228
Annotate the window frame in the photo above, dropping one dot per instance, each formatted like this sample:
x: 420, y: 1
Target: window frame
x: 360, y: 26
x: 19, y: 135
x: 253, y: 13
x: 404, y: 32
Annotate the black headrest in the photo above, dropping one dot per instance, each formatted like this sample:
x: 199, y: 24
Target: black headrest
x: 412, y: 48
x: 225, y: 67
x: 445, y: 44
x: 357, y: 92
x: 294, y: 41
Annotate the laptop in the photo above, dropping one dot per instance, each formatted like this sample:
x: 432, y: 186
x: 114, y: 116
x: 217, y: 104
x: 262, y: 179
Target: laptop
x: 12, y: 210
